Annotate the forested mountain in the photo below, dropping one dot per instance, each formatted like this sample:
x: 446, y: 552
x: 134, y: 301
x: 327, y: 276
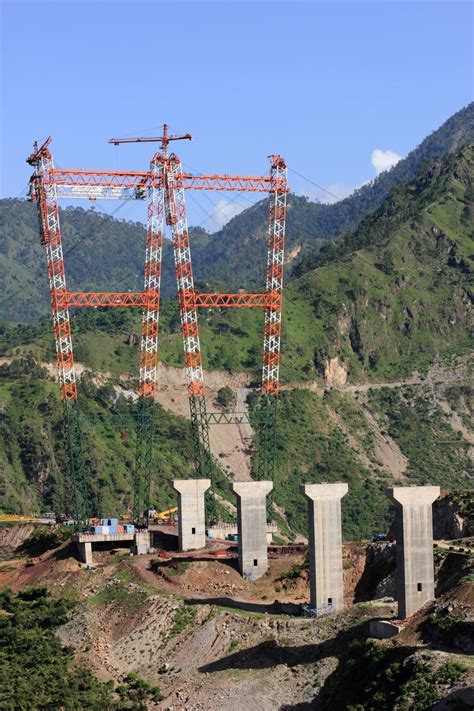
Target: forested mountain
x: 236, y: 254
x: 105, y: 253
x: 396, y: 298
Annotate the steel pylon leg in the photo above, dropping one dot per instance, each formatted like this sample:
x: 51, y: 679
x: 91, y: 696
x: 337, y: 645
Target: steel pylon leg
x: 202, y: 452
x: 176, y: 218
x: 143, y: 459
x: 76, y: 463
x: 264, y: 468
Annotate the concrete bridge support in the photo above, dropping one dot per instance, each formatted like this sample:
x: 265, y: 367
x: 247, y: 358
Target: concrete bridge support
x: 141, y: 543
x: 85, y: 553
x: 252, y: 526
x: 325, y: 545
x: 414, y: 548
x: 191, y: 512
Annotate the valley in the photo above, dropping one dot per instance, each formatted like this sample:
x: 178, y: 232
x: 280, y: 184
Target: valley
x: 376, y: 391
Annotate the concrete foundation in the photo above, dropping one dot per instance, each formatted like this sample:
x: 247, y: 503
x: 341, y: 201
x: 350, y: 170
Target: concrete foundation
x: 221, y: 531
x: 325, y: 545
x: 252, y: 526
x: 191, y: 515
x: 383, y: 629
x: 85, y: 553
x: 414, y: 546
x: 141, y: 543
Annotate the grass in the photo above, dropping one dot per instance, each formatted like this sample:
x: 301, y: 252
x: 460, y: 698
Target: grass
x: 367, y: 607
x: 178, y: 567
x: 182, y: 617
x: 117, y: 591
x: 436, y: 453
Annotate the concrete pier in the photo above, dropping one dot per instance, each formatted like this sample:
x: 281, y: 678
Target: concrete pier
x: 85, y: 553
x: 414, y: 547
x: 252, y: 526
x: 325, y: 545
x: 141, y: 543
x: 191, y: 513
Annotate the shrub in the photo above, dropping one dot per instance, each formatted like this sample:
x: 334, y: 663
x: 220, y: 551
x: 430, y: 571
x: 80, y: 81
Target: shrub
x: 225, y: 397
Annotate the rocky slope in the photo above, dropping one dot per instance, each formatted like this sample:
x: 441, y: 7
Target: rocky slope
x: 209, y: 640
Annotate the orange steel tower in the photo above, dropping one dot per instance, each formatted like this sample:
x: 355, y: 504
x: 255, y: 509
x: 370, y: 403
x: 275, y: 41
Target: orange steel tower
x: 164, y: 188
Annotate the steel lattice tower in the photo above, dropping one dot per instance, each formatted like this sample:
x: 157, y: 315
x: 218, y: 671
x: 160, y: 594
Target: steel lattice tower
x: 43, y: 190
x: 164, y: 187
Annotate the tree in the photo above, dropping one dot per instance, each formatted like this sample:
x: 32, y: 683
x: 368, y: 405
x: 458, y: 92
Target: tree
x: 225, y: 397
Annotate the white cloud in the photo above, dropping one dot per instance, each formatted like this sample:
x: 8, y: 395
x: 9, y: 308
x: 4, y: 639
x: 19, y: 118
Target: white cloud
x: 220, y: 216
x: 384, y: 160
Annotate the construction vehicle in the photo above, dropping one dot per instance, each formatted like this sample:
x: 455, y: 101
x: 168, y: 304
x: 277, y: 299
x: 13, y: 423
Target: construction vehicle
x: 16, y: 518
x: 163, y: 516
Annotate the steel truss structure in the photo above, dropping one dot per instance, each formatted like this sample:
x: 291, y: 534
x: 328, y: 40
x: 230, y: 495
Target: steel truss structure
x: 163, y: 186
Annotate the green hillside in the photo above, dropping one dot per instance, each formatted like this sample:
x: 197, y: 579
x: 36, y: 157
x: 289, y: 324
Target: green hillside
x: 399, y: 303
x: 33, y: 459
x: 327, y: 436
x: 391, y: 298
x: 403, y: 297
x: 236, y: 254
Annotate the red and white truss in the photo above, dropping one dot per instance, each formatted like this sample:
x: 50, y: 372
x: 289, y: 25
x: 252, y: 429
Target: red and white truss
x: 44, y: 191
x: 164, y: 188
x: 153, y: 253
x: 275, y: 264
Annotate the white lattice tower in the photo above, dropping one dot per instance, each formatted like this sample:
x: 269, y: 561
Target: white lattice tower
x: 153, y: 255
x: 45, y: 193
x: 274, y: 283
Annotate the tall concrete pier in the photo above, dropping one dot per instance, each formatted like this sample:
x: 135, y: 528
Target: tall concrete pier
x: 252, y: 526
x: 325, y: 545
x: 191, y: 523
x: 414, y: 534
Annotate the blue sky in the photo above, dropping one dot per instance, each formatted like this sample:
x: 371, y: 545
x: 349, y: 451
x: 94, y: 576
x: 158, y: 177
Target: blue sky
x: 323, y: 83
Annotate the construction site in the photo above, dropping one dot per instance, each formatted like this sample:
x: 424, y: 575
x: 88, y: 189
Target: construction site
x: 160, y: 575
x: 164, y: 187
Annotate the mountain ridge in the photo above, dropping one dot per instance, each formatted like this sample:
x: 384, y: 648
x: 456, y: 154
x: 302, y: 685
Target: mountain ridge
x: 234, y: 256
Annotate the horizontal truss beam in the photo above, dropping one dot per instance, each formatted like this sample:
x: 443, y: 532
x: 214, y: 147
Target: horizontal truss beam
x: 228, y: 418
x: 255, y: 184
x: 142, y: 299
x: 77, y: 183
x: 209, y: 301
